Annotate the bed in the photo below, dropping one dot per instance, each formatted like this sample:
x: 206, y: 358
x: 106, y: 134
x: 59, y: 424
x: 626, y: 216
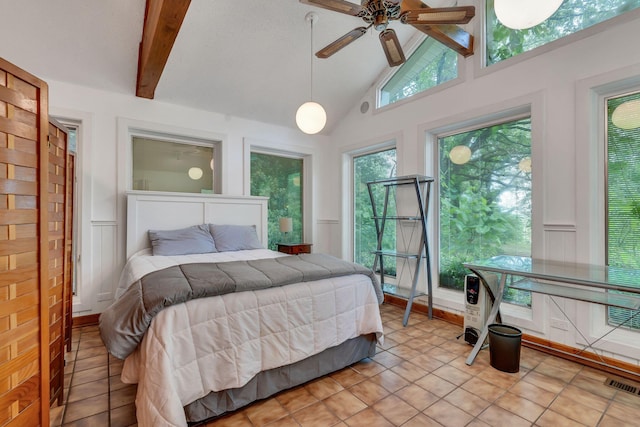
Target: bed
x: 199, y: 358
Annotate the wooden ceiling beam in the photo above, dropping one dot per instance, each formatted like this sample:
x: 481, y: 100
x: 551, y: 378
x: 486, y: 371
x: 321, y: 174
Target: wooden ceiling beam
x: 162, y: 22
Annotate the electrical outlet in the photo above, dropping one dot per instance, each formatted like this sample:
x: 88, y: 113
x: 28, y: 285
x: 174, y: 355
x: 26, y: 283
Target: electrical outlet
x: 559, y: 324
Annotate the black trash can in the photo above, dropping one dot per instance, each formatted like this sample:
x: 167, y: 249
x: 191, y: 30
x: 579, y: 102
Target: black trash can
x: 504, y: 347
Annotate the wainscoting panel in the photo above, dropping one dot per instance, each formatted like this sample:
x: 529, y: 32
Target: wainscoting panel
x: 104, y: 263
x: 328, y: 238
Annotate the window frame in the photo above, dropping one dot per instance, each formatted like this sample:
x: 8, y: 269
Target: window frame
x: 591, y: 160
x: 532, y: 105
x: 481, y: 67
x: 388, y: 74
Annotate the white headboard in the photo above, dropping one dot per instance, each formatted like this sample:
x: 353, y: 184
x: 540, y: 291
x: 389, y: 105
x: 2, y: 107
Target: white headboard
x: 167, y: 211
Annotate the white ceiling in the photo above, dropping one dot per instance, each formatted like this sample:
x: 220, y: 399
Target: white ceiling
x: 245, y: 58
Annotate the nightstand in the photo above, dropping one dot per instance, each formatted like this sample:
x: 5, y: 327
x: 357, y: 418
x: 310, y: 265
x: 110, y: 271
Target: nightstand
x: 294, y: 248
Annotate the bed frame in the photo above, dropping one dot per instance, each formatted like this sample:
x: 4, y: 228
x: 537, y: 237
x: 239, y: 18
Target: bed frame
x: 148, y: 210
x: 164, y: 211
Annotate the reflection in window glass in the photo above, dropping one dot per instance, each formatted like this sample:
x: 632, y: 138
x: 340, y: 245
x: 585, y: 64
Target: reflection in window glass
x: 485, y: 199
x: 623, y: 197
x: 430, y: 65
x: 571, y: 17
x: 279, y: 178
x: 371, y: 167
x: 160, y: 165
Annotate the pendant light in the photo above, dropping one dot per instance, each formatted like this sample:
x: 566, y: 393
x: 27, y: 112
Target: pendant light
x: 311, y: 117
x: 523, y: 14
x: 460, y: 154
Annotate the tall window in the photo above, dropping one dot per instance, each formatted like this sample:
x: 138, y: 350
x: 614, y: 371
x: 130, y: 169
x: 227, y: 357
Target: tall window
x: 485, y: 199
x: 175, y: 165
x: 430, y: 65
x: 571, y: 17
x: 280, y: 179
x: 623, y: 194
x: 370, y: 167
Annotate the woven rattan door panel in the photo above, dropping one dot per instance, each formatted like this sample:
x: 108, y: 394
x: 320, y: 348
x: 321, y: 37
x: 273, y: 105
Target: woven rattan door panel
x: 24, y: 305
x: 57, y: 256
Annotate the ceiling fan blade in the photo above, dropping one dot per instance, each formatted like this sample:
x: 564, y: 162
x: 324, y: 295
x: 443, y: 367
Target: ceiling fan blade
x: 451, y: 36
x: 391, y: 47
x: 408, y: 5
x: 341, y: 6
x: 439, y: 15
x: 332, y: 48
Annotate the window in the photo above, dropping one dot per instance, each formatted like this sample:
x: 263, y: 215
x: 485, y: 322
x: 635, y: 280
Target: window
x: 485, y: 199
x: 430, y: 65
x: 623, y: 197
x: 370, y: 167
x: 571, y: 17
x: 175, y: 164
x: 280, y: 178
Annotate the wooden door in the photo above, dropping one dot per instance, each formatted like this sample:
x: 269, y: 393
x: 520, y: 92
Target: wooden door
x: 24, y: 258
x: 58, y: 262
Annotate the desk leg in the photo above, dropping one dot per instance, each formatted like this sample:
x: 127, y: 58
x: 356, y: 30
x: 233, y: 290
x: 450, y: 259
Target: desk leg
x: 492, y: 318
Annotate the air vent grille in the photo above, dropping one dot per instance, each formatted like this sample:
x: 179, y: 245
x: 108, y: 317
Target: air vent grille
x: 623, y: 386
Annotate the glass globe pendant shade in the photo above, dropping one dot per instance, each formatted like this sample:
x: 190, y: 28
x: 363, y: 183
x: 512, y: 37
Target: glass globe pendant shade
x: 525, y: 165
x: 627, y: 115
x: 195, y: 173
x: 311, y: 117
x: 523, y: 14
x: 460, y: 154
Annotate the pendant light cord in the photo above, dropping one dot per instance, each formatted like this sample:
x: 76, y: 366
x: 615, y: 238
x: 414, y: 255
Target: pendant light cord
x: 311, y: 56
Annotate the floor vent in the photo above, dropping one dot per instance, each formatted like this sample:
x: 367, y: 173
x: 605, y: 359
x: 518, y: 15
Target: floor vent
x: 623, y: 386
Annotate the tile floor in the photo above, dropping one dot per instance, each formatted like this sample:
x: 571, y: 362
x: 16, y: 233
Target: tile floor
x: 418, y: 378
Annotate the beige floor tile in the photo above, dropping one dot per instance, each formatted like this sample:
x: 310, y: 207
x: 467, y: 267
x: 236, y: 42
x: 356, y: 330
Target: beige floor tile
x: 453, y: 375
x: 496, y: 416
x: 395, y: 410
x: 296, y: 399
x: 390, y: 381
x: 545, y: 382
x: 533, y: 393
x: 387, y: 359
x: 409, y: 371
x: 468, y: 402
x: 124, y: 416
x: 369, y: 392
x: 123, y: 396
x: 447, y: 414
x: 623, y: 412
x: 576, y: 411
x: 585, y: 397
x: 284, y: 422
x: 421, y: 420
x: 553, y: 419
x: 86, y: 408
x: 237, y: 419
x: 90, y: 389
x: 101, y: 419
x: 520, y: 406
x: 368, y: 367
x: 483, y: 389
x: 368, y: 418
x: 344, y: 404
x: 436, y: 385
x: 316, y: 415
x: 265, y: 412
x: 348, y: 377
x: 323, y: 387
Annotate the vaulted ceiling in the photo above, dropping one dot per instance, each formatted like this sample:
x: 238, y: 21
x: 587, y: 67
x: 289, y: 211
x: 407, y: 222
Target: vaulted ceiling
x: 244, y: 58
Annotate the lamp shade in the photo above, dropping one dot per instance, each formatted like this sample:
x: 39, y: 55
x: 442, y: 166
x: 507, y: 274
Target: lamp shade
x: 627, y: 115
x: 311, y: 117
x: 286, y: 225
x: 195, y: 173
x: 460, y: 154
x: 522, y: 14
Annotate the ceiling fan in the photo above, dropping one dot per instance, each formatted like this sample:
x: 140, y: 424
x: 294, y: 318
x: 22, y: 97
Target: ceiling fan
x: 439, y: 23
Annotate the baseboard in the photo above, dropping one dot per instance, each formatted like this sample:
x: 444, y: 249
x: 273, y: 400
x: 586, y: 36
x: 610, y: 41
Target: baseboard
x: 606, y: 364
x: 89, y: 320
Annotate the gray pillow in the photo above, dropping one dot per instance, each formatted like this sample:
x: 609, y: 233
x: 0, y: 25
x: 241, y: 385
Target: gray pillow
x: 235, y: 237
x: 191, y: 240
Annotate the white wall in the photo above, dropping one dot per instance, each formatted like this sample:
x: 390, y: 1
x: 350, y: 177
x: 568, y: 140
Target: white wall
x: 554, y: 83
x: 103, y: 152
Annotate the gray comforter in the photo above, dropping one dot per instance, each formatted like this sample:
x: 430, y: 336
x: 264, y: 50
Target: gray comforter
x: 124, y: 323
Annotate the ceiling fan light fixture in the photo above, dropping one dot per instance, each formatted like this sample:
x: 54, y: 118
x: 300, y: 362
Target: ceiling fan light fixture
x: 523, y: 14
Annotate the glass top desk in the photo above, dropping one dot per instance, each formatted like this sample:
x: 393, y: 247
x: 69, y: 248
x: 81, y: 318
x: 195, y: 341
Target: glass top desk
x: 535, y: 274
